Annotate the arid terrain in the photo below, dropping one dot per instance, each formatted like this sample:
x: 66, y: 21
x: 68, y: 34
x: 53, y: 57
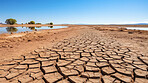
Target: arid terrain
x: 77, y: 54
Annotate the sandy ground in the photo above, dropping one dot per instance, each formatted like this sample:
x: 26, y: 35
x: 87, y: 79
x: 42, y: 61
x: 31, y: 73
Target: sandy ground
x: 14, y: 45
x: 76, y: 54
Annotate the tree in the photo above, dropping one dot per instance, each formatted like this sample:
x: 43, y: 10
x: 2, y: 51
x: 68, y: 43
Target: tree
x: 31, y: 22
x: 11, y: 21
x: 51, y: 23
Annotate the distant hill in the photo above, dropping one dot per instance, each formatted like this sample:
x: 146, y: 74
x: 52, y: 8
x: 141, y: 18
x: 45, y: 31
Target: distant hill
x: 132, y: 24
x: 116, y: 24
x: 142, y: 24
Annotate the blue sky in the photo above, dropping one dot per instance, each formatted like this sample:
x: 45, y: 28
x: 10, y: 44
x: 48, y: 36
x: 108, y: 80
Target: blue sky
x: 75, y: 11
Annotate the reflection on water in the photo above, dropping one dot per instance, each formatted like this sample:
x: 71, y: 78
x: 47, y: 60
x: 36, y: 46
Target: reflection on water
x: 23, y: 29
x: 51, y: 26
x: 38, y: 27
x: 138, y: 28
x: 11, y: 29
x: 31, y: 28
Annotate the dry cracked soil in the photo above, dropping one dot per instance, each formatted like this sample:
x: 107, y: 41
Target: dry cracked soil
x: 88, y: 57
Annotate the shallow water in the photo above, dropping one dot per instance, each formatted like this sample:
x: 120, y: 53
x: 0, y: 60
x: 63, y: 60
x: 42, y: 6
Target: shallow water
x: 23, y: 29
x: 138, y: 28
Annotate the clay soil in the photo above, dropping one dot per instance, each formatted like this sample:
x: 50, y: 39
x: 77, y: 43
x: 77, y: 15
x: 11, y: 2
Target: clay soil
x: 79, y: 53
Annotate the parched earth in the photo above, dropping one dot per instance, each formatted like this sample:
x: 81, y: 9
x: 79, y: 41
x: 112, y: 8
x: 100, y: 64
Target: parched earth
x: 88, y: 57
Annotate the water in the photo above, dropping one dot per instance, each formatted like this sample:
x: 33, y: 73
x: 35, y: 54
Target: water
x: 23, y: 29
x: 138, y: 28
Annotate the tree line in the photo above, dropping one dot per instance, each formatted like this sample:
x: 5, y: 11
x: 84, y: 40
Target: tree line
x: 14, y: 21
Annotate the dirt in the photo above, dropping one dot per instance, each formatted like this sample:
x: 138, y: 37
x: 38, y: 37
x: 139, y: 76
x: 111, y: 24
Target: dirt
x: 81, y: 54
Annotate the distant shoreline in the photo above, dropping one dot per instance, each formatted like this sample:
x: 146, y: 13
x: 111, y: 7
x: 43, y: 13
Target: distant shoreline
x: 37, y: 25
x: 29, y: 25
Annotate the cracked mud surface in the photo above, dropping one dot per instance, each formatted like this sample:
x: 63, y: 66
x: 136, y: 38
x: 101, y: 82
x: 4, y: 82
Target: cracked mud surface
x: 85, y: 58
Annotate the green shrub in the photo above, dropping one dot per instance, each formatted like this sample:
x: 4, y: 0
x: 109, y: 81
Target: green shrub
x: 31, y: 22
x: 38, y: 23
x: 51, y: 23
x: 11, y: 21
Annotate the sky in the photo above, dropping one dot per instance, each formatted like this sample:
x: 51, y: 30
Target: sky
x: 75, y: 11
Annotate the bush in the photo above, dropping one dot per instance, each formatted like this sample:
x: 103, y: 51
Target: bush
x: 31, y: 22
x: 51, y: 23
x: 38, y: 23
x: 11, y: 21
